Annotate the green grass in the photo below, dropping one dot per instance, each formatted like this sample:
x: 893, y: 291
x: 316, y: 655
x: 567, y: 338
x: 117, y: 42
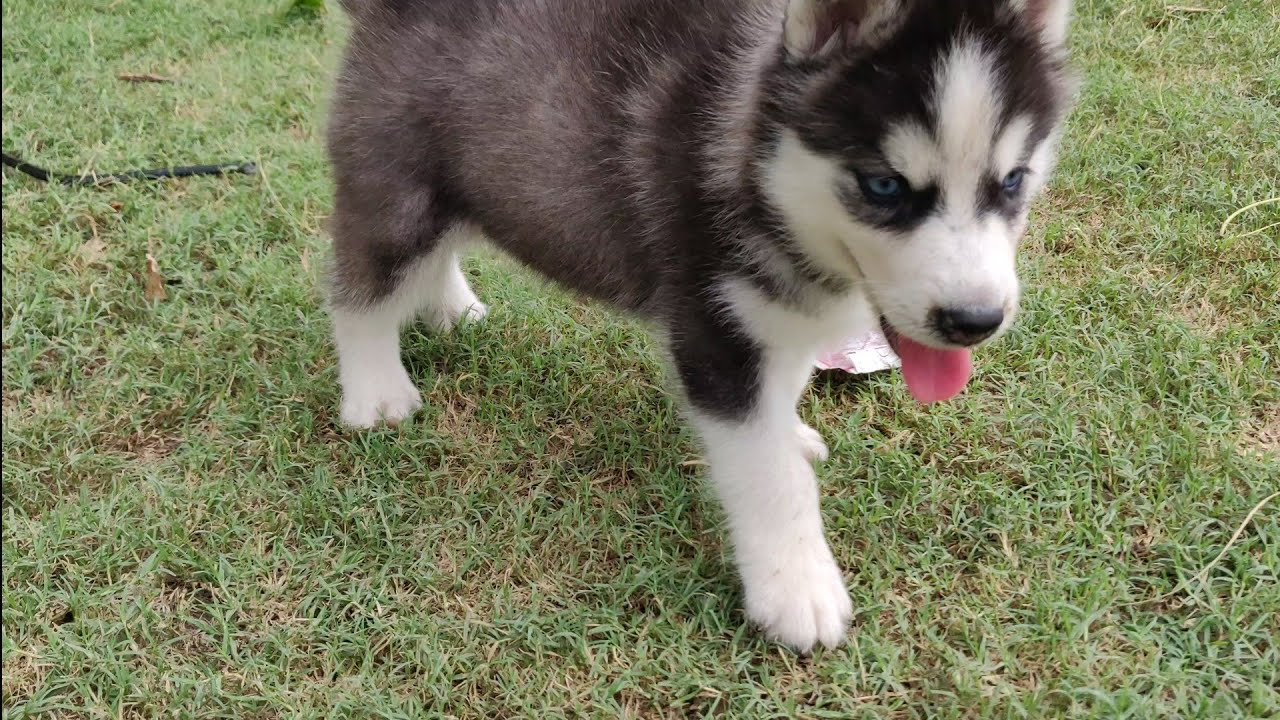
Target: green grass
x: 187, y: 532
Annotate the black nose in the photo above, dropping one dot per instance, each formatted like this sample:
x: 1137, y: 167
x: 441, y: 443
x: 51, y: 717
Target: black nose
x: 967, y: 326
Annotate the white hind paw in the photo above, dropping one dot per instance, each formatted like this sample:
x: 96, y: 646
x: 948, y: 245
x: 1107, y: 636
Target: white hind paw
x: 447, y: 318
x: 811, y: 443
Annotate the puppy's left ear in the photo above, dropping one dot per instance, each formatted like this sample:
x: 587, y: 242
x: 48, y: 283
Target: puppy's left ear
x: 1049, y: 18
x: 818, y: 28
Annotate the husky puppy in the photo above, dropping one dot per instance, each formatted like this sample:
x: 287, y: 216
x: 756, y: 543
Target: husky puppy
x: 757, y: 178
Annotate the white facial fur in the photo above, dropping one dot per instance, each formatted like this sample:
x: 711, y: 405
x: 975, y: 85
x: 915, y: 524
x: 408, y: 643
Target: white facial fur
x: 958, y: 256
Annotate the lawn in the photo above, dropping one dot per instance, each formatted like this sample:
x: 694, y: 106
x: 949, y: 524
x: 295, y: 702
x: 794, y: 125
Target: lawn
x: 187, y: 532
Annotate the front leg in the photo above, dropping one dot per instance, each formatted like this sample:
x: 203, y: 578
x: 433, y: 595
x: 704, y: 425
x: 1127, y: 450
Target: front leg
x: 743, y: 400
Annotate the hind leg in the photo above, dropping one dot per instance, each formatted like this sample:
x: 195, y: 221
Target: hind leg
x: 397, y: 229
x: 375, y: 385
x: 446, y: 297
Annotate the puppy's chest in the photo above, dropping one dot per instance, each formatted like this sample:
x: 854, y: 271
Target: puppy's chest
x: 823, y: 322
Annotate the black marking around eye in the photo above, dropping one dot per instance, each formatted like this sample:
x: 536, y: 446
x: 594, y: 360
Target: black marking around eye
x: 916, y: 205
x: 993, y: 198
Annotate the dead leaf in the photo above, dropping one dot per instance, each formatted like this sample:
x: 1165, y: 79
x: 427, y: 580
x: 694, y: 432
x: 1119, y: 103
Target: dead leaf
x: 143, y: 78
x: 93, y: 250
x: 154, y: 282
x: 306, y: 260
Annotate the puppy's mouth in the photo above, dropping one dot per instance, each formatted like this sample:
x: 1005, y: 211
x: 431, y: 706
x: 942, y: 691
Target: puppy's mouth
x: 932, y: 374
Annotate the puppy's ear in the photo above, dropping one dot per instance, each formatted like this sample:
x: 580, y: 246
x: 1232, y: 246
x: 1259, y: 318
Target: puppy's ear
x: 1048, y: 18
x: 818, y: 28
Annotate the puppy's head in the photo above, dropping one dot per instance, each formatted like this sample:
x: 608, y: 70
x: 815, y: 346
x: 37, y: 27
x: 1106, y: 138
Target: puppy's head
x: 908, y: 137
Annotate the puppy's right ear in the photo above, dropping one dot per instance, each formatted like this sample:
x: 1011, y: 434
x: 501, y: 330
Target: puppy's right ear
x: 820, y: 28
x: 1049, y: 18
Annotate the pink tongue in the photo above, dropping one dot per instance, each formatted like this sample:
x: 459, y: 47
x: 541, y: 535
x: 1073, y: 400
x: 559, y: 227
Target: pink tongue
x: 933, y: 374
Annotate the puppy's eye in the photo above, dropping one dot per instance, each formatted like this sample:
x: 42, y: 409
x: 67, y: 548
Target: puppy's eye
x: 884, y: 190
x: 1012, y: 182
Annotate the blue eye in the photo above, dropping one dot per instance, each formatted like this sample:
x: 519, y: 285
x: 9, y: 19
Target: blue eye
x: 1013, y: 181
x: 885, y: 189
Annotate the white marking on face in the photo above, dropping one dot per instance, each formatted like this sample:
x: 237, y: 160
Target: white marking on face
x: 911, y: 150
x: 803, y: 185
x: 1010, y: 146
x: 958, y: 256
x: 968, y: 110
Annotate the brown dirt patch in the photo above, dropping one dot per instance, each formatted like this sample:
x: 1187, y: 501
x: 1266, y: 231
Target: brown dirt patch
x: 1262, y: 435
x: 1202, y: 317
x: 24, y: 673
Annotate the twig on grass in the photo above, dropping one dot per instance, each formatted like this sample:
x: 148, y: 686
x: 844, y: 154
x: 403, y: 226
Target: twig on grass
x: 1222, y: 231
x: 1201, y: 576
x: 143, y: 78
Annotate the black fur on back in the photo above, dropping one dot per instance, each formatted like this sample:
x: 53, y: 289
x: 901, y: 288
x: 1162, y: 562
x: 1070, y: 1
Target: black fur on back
x: 575, y: 132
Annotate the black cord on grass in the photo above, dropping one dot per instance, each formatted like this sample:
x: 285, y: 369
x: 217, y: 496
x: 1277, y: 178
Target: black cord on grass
x: 92, y: 179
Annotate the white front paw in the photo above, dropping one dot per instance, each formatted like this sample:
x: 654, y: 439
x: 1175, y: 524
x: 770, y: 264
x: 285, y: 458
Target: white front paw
x: 799, y: 598
x: 811, y: 444
x: 368, y: 401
